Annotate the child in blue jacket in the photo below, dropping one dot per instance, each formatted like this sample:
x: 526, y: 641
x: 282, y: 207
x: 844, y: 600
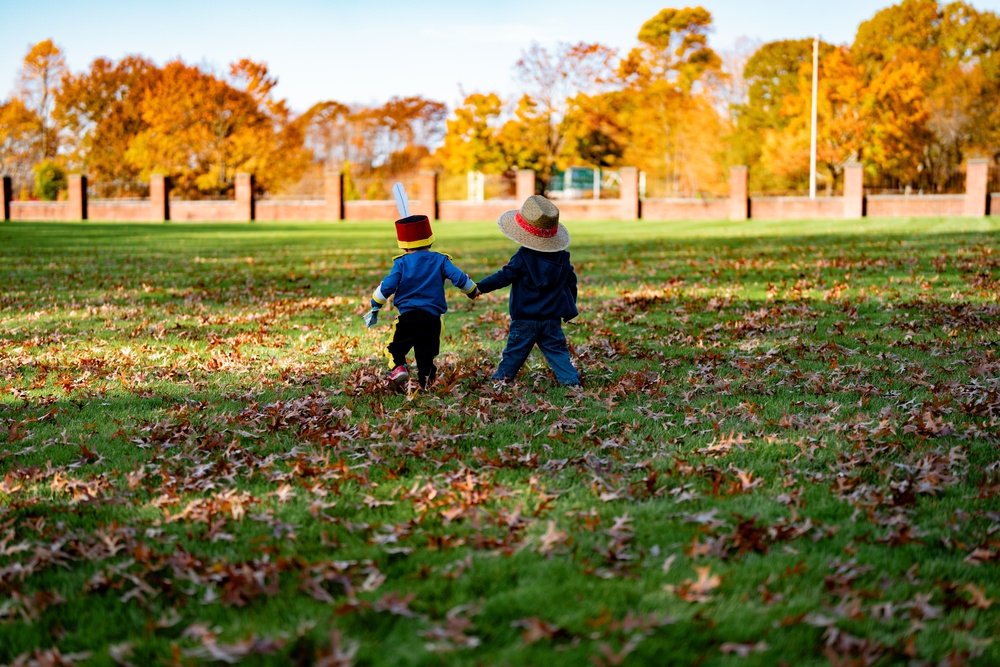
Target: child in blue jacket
x: 416, y: 283
x: 543, y: 289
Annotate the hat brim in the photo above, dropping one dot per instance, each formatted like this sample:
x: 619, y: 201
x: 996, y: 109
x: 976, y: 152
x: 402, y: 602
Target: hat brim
x: 508, y: 225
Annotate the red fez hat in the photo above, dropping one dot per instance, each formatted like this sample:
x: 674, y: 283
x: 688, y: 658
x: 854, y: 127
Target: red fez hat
x: 414, y: 231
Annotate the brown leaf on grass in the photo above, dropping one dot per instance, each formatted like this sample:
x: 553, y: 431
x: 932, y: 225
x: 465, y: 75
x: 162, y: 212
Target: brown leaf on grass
x: 743, y: 650
x: 210, y: 649
x: 535, y: 629
x: 697, y: 590
x: 340, y: 654
x: 978, y: 596
x: 452, y: 634
x: 396, y: 604
x: 551, y: 539
x: 51, y: 657
x: 120, y: 653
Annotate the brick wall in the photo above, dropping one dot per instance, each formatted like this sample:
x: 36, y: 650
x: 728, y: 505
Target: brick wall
x: 685, y: 209
x: 796, y: 208
x: 738, y: 206
x: 120, y: 211
x: 469, y: 211
x: 207, y: 211
x: 275, y: 211
x: 39, y: 210
x: 903, y: 206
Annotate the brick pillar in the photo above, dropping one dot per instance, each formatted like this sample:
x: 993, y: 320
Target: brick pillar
x: 739, y: 200
x: 159, y: 199
x: 427, y: 195
x: 7, y: 195
x: 244, y: 197
x: 854, y: 191
x: 524, y: 185
x: 77, y: 209
x: 976, y: 183
x: 333, y: 193
x: 628, y: 192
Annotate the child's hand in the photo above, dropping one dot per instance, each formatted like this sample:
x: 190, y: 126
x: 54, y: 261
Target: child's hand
x: 474, y: 293
x: 371, y: 317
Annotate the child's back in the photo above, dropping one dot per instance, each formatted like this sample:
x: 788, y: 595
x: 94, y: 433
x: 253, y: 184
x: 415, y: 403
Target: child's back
x: 543, y: 285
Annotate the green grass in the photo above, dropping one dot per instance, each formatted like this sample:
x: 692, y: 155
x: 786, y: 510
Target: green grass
x: 785, y: 450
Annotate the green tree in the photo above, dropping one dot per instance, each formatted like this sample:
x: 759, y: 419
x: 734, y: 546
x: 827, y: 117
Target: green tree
x: 50, y: 180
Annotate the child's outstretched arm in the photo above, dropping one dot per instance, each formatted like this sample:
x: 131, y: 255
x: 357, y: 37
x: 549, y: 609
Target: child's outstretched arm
x: 460, y: 280
x: 505, y: 276
x: 380, y: 297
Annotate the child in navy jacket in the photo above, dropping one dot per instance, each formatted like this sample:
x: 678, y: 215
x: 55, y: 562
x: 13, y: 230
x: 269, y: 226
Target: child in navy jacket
x: 543, y: 289
x: 416, y: 283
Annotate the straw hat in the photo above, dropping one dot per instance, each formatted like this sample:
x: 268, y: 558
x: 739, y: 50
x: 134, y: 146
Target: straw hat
x: 535, y: 226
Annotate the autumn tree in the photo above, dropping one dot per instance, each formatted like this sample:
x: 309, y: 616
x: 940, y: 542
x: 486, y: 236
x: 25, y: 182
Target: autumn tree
x: 596, y: 133
x: 19, y: 143
x: 471, y: 141
x: 675, y: 130
x: 772, y: 75
x: 99, y: 113
x: 554, y: 84
x: 201, y: 130
x: 41, y: 73
x: 405, y: 130
x: 949, y: 52
x: 328, y: 133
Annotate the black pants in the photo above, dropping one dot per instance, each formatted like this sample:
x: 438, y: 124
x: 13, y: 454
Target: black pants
x: 419, y: 331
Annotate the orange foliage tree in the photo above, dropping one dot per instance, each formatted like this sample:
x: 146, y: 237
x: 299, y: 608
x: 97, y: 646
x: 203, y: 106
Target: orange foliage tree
x: 41, y: 73
x: 675, y: 131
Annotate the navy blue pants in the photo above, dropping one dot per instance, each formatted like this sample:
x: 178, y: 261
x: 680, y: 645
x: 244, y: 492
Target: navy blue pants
x: 549, y: 336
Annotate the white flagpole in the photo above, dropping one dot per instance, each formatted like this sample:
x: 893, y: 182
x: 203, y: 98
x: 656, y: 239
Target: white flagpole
x: 812, y: 131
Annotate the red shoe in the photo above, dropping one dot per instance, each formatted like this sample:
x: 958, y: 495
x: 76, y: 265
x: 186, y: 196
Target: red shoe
x: 399, y: 375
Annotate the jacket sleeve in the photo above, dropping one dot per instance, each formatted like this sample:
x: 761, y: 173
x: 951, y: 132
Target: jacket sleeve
x: 505, y: 276
x: 388, y: 286
x: 457, y: 278
x: 571, y: 283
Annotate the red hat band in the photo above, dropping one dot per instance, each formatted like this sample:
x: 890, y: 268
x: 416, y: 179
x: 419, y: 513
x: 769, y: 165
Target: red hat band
x: 414, y: 232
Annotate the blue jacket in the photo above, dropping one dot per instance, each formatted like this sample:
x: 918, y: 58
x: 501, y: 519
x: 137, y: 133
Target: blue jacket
x: 543, y: 285
x: 417, y: 281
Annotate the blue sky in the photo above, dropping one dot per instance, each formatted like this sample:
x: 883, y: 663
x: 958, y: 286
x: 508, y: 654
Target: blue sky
x: 366, y: 51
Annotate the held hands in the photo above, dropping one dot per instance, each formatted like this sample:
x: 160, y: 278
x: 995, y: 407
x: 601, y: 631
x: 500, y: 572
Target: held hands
x: 474, y: 293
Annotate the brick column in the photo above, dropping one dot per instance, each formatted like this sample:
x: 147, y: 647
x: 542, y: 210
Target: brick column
x: 333, y: 194
x: 7, y: 195
x: 159, y: 200
x: 244, y: 197
x: 854, y: 191
x: 524, y: 185
x: 628, y: 192
x: 739, y: 200
x: 77, y: 209
x: 427, y: 195
x: 976, y: 183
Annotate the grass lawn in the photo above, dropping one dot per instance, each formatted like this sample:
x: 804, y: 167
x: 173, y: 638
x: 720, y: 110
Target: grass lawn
x: 786, y: 451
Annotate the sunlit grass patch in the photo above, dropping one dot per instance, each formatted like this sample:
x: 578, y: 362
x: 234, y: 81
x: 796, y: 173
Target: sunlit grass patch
x: 785, y: 449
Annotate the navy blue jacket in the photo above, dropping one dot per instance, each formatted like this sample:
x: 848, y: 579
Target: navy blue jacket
x: 543, y: 285
x: 417, y: 281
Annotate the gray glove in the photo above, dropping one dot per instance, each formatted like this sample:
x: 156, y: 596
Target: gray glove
x: 371, y: 317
